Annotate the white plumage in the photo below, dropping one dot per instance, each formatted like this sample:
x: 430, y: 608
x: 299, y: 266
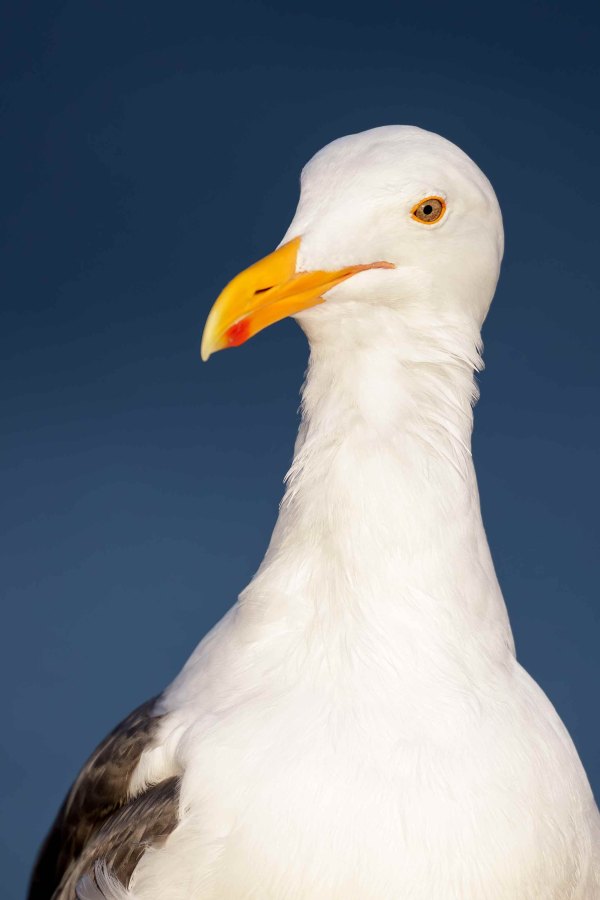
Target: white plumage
x: 357, y: 726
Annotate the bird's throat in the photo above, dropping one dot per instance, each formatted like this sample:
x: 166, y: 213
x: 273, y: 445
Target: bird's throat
x: 380, y: 523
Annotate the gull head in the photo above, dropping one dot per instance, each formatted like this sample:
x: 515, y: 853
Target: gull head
x: 392, y: 218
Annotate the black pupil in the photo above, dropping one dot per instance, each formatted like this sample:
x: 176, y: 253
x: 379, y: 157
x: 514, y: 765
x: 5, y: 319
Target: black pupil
x: 428, y: 209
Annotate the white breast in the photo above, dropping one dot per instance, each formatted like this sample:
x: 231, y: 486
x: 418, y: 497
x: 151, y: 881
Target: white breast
x: 341, y: 787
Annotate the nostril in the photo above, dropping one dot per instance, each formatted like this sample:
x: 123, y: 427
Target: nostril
x: 262, y: 290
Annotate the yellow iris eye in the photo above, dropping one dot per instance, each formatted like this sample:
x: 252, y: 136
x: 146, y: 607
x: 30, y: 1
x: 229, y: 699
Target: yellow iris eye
x: 429, y: 210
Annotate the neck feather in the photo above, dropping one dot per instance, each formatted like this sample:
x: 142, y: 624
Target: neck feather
x: 380, y: 523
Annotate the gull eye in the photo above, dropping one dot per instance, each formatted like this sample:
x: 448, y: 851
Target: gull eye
x: 429, y: 210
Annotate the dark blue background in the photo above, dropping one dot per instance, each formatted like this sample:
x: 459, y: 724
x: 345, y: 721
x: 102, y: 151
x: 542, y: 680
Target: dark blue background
x: 148, y: 152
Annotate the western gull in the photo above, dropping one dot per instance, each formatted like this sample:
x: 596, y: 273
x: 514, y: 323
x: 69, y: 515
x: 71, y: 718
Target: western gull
x: 357, y: 727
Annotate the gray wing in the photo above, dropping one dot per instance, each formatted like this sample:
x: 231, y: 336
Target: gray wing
x: 98, y: 819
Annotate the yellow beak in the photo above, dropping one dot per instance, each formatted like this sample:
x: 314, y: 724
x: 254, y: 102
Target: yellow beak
x: 266, y: 292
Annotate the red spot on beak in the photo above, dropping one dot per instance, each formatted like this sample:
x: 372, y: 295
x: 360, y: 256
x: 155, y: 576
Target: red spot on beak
x: 238, y: 333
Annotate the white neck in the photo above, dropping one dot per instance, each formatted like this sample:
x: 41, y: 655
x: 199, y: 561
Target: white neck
x: 380, y: 531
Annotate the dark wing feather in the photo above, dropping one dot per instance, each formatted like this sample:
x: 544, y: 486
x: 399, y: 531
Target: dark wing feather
x: 98, y: 792
x: 145, y: 821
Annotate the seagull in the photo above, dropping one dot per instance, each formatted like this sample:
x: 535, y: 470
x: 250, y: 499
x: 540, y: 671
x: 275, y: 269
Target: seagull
x: 357, y: 726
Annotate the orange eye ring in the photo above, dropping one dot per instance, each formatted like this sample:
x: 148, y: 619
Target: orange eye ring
x: 429, y: 210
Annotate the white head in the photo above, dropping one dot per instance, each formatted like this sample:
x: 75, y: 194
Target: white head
x: 394, y: 217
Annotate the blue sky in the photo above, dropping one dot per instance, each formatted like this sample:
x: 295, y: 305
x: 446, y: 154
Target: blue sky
x: 150, y: 151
